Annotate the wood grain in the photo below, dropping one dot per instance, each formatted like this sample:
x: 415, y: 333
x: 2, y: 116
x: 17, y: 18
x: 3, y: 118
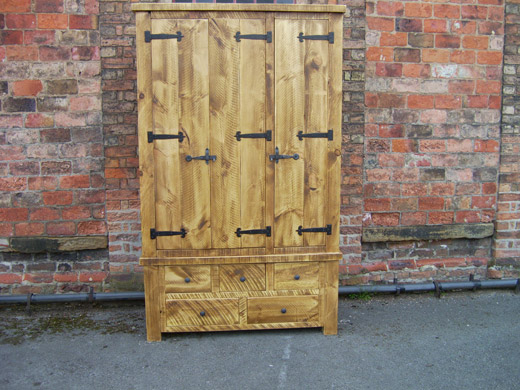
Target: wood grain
x: 165, y: 84
x: 225, y: 328
x: 146, y: 158
x: 329, y: 294
x: 253, y: 274
x: 270, y: 124
x: 194, y: 123
x: 224, y: 99
x: 153, y: 287
x: 307, y: 276
x: 269, y: 309
x: 316, y: 87
x: 289, y: 119
x: 188, y: 312
x: 252, y: 120
x: 238, y: 7
x: 187, y: 278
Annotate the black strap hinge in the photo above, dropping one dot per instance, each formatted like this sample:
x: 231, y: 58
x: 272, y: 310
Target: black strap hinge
x: 327, y: 229
x: 329, y: 135
x: 265, y: 37
x: 148, y: 36
x: 154, y: 233
x: 206, y: 157
x: 329, y: 37
x: 152, y: 136
x: 266, y: 231
x: 267, y: 135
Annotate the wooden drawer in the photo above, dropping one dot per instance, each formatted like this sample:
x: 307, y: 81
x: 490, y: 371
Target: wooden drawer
x: 187, y: 278
x: 242, y: 277
x: 282, y: 309
x: 182, y: 312
x: 296, y: 276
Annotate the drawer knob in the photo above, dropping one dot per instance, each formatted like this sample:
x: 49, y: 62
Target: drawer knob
x: 296, y: 277
x: 284, y: 310
x: 242, y: 278
x: 187, y: 280
x: 202, y: 313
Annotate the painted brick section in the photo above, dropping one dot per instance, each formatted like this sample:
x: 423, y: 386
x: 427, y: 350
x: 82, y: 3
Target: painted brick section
x: 434, y: 79
x: 507, y: 243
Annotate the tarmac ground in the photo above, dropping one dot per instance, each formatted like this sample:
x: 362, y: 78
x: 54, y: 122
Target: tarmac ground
x: 461, y: 341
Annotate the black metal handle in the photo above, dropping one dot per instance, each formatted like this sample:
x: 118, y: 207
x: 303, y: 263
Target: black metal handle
x: 267, y: 135
x: 187, y: 280
x: 266, y: 231
x: 202, y: 313
x: 327, y: 229
x: 329, y: 37
x: 296, y: 277
x: 206, y: 157
x: 329, y: 135
x: 242, y: 279
x: 265, y: 37
x: 284, y: 310
x: 277, y: 156
x: 154, y: 233
x: 152, y: 136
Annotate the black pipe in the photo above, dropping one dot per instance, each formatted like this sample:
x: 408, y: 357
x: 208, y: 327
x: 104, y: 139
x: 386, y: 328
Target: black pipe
x: 343, y: 290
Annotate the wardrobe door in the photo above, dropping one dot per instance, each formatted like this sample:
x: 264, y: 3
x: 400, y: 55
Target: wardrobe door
x: 301, y: 117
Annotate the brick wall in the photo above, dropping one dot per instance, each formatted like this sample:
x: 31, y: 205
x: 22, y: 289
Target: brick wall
x: 51, y: 149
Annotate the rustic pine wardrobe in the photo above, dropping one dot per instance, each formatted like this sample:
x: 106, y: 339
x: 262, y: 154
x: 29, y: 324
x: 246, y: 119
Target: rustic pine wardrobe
x: 240, y: 154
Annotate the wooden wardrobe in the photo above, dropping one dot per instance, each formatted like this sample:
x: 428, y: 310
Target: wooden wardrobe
x: 240, y: 154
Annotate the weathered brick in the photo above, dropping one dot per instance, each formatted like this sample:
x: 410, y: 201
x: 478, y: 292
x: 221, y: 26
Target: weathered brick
x: 53, y: 21
x: 57, y: 198
x: 408, y: 25
x: 55, y: 6
x: 20, y: 21
x: 62, y: 87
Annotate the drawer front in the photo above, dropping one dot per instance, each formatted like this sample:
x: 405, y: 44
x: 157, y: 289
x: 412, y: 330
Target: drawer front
x: 242, y: 277
x: 296, y: 276
x: 187, y: 278
x: 282, y: 309
x: 182, y: 312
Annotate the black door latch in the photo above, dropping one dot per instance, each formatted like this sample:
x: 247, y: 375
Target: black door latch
x: 265, y: 37
x: 266, y: 231
x: 206, y: 157
x: 277, y: 156
x: 329, y: 135
x: 267, y: 135
x: 327, y: 229
x: 329, y: 37
x: 154, y: 233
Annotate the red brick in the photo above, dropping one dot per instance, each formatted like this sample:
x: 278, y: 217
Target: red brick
x: 38, y: 278
x: 407, y: 55
x: 78, y: 181
x: 463, y: 27
x: 436, y: 55
x: 15, y: 6
x: 401, y: 264
x: 386, y: 100
x: 446, y: 11
x: 57, y: 198
x: 76, y: 212
x: 2, y: 54
x: 379, y: 204
x: 416, y: 70
x: 474, y: 12
x: 53, y: 21
x: 385, y: 219
x: 461, y: 86
x: 14, y: 214
x: 371, y: 101
x: 432, y: 146
x: 419, y: 10
x: 489, y: 188
x: 491, y: 28
x: 85, y: 103
x: 404, y: 146
x: 478, y: 43
x: 54, y: 53
x: 487, y: 146
x: 409, y: 25
x: 83, y: 22
x: 378, y: 175
x: 463, y: 56
x: 22, y: 21
x: 435, y: 26
x: 467, y: 217
x: 380, y: 54
x: 92, y: 277
x: 61, y: 228
x: 55, y: 6
x: 13, y: 183
x: 29, y: 229
x: 477, y: 101
x: 10, y: 278
x: 489, y: 58
x: 414, y: 189
x: 44, y: 214
x: 65, y: 277
x: 431, y: 203
x: 420, y: 101
x: 496, y: 13
x: 39, y: 120
x: 391, y: 131
x: 415, y: 218
x: 483, y: 202
x: 11, y: 37
x: 440, y: 217
x: 495, y: 102
x: 43, y: 183
x: 488, y: 87
x: 85, y: 53
x: 447, y: 41
x: 448, y: 101
x: 380, y: 24
x: 92, y: 227
x: 21, y: 53
x: 393, y: 39
x: 124, y: 173
x: 39, y: 37
x: 27, y: 87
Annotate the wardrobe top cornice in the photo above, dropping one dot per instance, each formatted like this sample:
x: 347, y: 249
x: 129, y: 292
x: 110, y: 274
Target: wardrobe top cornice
x: 139, y: 7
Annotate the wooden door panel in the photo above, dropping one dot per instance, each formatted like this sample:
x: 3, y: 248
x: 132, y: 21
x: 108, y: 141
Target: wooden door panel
x: 166, y: 121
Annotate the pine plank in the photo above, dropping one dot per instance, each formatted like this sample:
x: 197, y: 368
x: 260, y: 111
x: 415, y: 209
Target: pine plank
x: 334, y: 119
x: 194, y: 123
x: 224, y: 100
x: 252, y: 120
x: 226, y: 328
x: 316, y: 88
x: 329, y: 294
x: 146, y: 158
x: 238, y: 7
x: 253, y: 277
x: 165, y: 77
x: 289, y: 114
x: 187, y: 278
x: 269, y: 309
x: 285, y: 273
x: 153, y: 295
x: 270, y: 125
x: 189, y: 312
